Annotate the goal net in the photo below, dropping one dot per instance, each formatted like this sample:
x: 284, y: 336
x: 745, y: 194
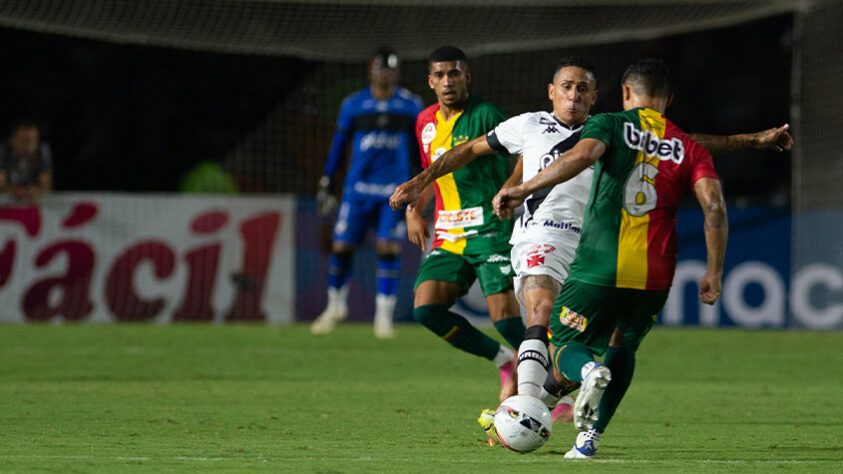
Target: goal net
x: 324, y: 44
x: 787, y: 50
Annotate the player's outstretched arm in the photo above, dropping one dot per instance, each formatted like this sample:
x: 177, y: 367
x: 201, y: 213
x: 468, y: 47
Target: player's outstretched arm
x: 450, y: 161
x: 777, y: 138
x: 716, y: 228
x: 569, y: 164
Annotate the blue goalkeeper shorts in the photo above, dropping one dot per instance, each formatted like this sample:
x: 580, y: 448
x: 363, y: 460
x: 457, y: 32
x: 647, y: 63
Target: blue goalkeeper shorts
x: 359, y: 213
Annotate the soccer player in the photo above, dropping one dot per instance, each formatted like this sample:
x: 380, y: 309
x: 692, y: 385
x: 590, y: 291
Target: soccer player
x: 470, y: 242
x: 623, y: 269
x: 378, y: 121
x: 547, y: 233
x: 540, y: 258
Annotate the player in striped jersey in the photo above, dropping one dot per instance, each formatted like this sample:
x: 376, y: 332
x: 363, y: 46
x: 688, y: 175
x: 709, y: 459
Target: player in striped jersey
x: 540, y: 257
x: 623, y: 269
x: 470, y: 241
x: 546, y: 235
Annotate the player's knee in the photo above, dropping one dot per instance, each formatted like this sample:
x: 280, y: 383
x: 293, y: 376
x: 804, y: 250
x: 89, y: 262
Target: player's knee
x: 623, y: 341
x: 386, y: 249
x: 540, y: 312
x: 427, y: 315
x: 388, y: 255
x: 502, y: 306
x: 623, y: 345
x: 342, y: 248
x: 433, y: 317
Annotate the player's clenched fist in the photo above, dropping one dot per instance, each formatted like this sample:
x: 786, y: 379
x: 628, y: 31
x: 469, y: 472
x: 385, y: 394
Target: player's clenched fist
x: 710, y: 288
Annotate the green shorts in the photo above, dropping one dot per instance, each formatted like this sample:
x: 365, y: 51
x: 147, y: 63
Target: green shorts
x: 588, y: 314
x: 493, y: 269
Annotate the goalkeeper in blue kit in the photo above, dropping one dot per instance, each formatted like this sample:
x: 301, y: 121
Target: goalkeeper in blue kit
x: 379, y: 123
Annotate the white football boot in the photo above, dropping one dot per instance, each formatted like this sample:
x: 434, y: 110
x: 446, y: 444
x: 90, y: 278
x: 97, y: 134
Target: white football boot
x: 588, y: 401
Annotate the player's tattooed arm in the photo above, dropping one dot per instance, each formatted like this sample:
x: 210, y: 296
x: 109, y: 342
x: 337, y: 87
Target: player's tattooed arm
x: 777, y: 138
x: 456, y: 158
x: 566, y: 166
x: 450, y: 161
x: 716, y: 228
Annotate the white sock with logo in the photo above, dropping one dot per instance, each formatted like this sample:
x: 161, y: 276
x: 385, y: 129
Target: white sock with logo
x: 532, y: 363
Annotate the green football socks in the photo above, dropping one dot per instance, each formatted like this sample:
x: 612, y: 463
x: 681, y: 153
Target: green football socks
x: 622, y: 364
x: 570, y: 358
x: 456, y: 330
x: 512, y: 329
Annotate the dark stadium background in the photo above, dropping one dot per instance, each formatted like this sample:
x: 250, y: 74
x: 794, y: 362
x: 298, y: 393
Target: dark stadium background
x: 136, y: 118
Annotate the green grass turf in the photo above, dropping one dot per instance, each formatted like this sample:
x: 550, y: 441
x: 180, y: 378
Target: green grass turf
x: 202, y: 398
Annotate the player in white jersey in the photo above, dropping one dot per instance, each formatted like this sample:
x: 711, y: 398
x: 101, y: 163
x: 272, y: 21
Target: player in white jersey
x: 546, y: 236
x: 541, y: 257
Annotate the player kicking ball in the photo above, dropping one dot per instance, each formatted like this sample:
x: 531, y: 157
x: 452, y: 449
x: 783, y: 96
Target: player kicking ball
x: 611, y: 298
x: 547, y: 234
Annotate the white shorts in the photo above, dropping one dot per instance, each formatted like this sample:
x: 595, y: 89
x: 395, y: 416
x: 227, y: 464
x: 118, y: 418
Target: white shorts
x: 542, y: 252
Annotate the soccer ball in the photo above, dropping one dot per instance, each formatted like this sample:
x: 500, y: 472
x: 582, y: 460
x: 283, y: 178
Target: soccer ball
x: 523, y: 423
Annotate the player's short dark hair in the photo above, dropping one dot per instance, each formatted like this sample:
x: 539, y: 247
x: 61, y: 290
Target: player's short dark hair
x: 578, y: 61
x: 446, y: 53
x: 385, y: 57
x: 25, y: 122
x: 648, y: 76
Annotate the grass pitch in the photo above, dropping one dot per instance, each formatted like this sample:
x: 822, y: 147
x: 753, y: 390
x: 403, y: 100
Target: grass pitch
x: 191, y: 398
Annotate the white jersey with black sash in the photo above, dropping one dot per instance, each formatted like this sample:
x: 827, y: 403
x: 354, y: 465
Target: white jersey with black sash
x: 541, y: 138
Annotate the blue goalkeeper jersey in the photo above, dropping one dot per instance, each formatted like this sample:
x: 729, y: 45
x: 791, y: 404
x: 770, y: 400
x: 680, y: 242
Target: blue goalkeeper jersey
x: 383, y: 143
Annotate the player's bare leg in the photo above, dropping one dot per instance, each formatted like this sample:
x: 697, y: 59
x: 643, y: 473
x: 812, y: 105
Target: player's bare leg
x: 503, y: 306
x: 337, y: 308
x: 539, y: 294
x: 387, y: 276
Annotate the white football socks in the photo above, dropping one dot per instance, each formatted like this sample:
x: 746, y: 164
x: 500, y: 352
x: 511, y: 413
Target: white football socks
x: 532, y: 367
x: 546, y: 397
x: 384, y: 313
x: 338, y: 298
x: 505, y: 355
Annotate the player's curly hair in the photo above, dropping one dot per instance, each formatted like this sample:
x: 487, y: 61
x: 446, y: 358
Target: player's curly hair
x: 578, y: 61
x: 648, y: 76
